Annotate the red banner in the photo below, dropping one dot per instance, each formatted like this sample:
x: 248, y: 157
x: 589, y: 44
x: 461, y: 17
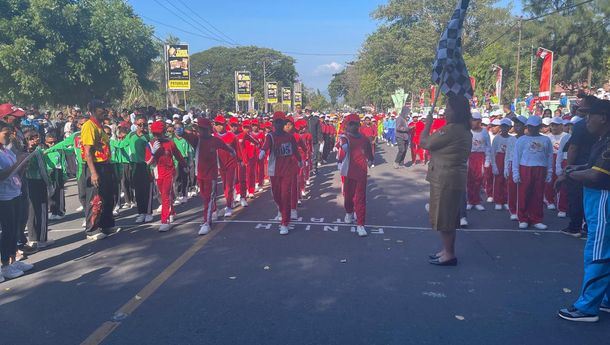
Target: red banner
x: 422, y: 97
x: 545, y: 74
x: 473, y: 82
x: 499, y: 85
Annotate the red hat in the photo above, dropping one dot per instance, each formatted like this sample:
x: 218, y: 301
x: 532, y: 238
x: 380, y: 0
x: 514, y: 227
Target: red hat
x: 301, y: 124
x: 202, y: 122
x: 351, y: 118
x: 234, y: 121
x: 255, y: 122
x: 246, y: 123
x: 220, y: 119
x: 279, y: 115
x: 157, y: 127
x: 290, y: 119
x: 9, y: 109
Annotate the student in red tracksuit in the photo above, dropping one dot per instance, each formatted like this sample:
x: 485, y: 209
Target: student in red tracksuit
x: 307, y: 139
x: 417, y: 153
x: 206, y: 164
x: 532, y: 167
x: 355, y: 155
x: 370, y: 132
x: 259, y: 135
x: 228, y: 164
x: 519, y: 129
x: 284, y: 163
x: 294, y: 187
x: 479, y: 158
x: 248, y: 147
x: 498, y: 156
x: 160, y: 153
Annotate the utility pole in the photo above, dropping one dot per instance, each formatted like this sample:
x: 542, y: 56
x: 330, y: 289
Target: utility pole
x: 265, y: 82
x: 531, y: 65
x: 518, y: 60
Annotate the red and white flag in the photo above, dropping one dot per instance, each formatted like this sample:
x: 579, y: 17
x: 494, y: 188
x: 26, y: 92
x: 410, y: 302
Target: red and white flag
x: 499, y: 84
x: 546, y: 74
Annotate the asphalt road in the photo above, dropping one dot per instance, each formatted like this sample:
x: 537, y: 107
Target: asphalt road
x: 245, y: 284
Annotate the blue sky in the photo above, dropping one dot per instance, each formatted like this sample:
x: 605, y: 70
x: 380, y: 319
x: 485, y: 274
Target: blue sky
x: 313, y: 26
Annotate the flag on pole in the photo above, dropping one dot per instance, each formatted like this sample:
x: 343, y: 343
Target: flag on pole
x: 546, y: 74
x: 449, y: 70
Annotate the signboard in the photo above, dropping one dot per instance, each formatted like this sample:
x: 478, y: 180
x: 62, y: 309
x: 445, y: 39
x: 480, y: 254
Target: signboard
x: 178, y: 67
x: 243, y: 83
x: 272, y: 93
x: 286, y: 96
x: 298, y: 99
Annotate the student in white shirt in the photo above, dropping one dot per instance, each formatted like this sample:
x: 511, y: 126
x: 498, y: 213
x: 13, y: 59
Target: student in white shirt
x: 560, y: 164
x: 532, y: 168
x: 498, y: 155
x: 556, y: 134
x: 478, y: 160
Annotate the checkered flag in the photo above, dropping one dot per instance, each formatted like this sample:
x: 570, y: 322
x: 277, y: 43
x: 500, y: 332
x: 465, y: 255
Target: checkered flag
x: 449, y: 70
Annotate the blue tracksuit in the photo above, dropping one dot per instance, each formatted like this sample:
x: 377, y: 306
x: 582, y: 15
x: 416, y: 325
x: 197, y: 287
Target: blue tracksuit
x: 391, y: 127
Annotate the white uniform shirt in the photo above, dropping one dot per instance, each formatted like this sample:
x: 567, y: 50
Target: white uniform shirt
x: 533, y: 151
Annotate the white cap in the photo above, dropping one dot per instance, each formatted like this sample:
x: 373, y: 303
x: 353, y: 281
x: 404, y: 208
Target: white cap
x: 186, y: 117
x: 496, y: 122
x: 497, y: 112
x: 176, y: 116
x: 566, y: 122
x: 557, y: 120
x: 442, y: 111
x: 534, y: 121
x: 476, y: 115
x: 486, y: 121
x: 506, y: 122
x: 546, y: 121
x: 562, y: 94
x: 168, y: 121
x: 150, y: 121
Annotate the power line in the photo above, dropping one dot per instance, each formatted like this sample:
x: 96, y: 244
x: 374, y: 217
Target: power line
x: 180, y: 29
x: 565, y: 8
x: 210, y: 24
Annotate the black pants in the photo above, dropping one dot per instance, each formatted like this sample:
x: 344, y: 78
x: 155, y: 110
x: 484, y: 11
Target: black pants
x: 57, y: 201
x: 328, y: 146
x: 127, y: 182
x: 9, y: 221
x: 81, y: 183
x: 24, y: 207
x: 402, y: 144
x: 100, y: 200
x: 143, y: 186
x: 315, y: 156
x: 575, y: 208
x: 182, y: 183
x: 38, y: 217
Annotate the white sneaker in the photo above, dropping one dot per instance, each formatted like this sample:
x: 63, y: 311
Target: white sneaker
x: 257, y: 187
x: 214, y: 216
x: 126, y: 206
x: 79, y: 209
x: 551, y: 207
x: 159, y: 208
x: 140, y: 218
x: 204, y: 229
x: 540, y: 226
x: 228, y: 212
x: 172, y: 218
x: 52, y: 217
x: 523, y: 225
x: 349, y: 218
x: 479, y: 207
x: 427, y: 207
x: 490, y: 199
x: 45, y: 244
x: 243, y: 203
x: 561, y: 214
x: 294, y: 215
x: 307, y: 183
x: 238, y: 197
x: 98, y: 236
x: 115, y: 212
x: 469, y: 207
x: 11, y: 272
x: 498, y: 207
x: 177, y: 202
x: 283, y: 230
x: 148, y: 218
x: 22, y: 266
x: 165, y: 227
x: 278, y: 217
x: 267, y: 181
x: 303, y: 194
x: 505, y: 206
x: 463, y: 221
x: 514, y: 217
x: 250, y: 195
x: 84, y: 223
x: 361, y: 231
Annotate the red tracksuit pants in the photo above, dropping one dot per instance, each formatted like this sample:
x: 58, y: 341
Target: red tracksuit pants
x: 260, y: 171
x: 489, y: 181
x: 499, y: 182
x: 303, y: 174
x: 476, y: 161
x: 294, y: 192
x: 241, y: 182
x: 207, y: 189
x: 228, y: 182
x: 164, y: 184
x: 251, y: 175
x: 512, y: 191
x: 280, y: 189
x: 530, y: 199
x: 417, y: 153
x: 354, y: 192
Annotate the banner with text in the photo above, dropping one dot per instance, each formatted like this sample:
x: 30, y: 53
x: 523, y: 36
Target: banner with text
x: 178, y: 66
x: 286, y: 96
x: 272, y: 96
x: 243, y: 86
x: 298, y: 98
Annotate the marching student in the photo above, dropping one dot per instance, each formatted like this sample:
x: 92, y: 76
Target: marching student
x: 137, y: 142
x: 120, y: 157
x: 355, y: 155
x: 284, y: 163
x: 259, y: 135
x: 160, y: 154
x: 498, y: 156
x: 206, y: 163
x: 369, y: 130
x: 519, y: 129
x: 532, y: 167
x: 417, y: 127
x: 308, y: 144
x: 56, y: 165
x: 493, y: 130
x: 478, y: 160
x: 289, y: 128
x: 183, y: 185
x: 248, y: 148
x: 556, y: 135
x: 228, y: 163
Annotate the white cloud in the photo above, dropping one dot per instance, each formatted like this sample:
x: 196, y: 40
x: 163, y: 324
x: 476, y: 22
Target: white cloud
x: 329, y: 68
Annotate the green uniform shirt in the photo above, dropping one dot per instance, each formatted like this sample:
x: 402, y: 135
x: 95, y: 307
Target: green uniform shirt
x: 136, y: 149
x: 118, y: 151
x: 185, y: 149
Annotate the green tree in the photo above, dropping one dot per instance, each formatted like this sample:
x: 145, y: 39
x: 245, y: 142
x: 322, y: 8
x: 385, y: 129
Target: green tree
x: 68, y: 51
x: 316, y: 100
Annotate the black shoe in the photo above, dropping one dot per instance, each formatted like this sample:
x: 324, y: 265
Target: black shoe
x: 570, y: 232
x: 573, y: 314
x: 437, y: 262
x: 433, y: 256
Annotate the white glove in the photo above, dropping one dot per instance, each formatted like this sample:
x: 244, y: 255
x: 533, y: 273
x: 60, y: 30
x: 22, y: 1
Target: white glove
x: 261, y: 155
x: 335, y: 149
x: 548, y: 179
x: 339, y: 165
x: 495, y: 171
x: 559, y: 172
x: 487, y: 164
x: 156, y: 146
x: 505, y: 174
x: 516, y: 179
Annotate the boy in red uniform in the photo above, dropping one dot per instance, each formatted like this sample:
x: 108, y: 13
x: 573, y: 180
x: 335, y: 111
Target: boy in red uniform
x: 294, y: 187
x: 284, y: 163
x: 206, y: 165
x: 370, y: 132
x: 228, y: 162
x: 307, y: 140
x: 259, y: 135
x: 248, y: 148
x: 160, y: 153
x: 354, y: 157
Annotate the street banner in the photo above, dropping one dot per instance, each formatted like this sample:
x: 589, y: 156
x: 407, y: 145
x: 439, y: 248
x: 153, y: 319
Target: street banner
x: 272, y: 96
x: 287, y: 96
x: 178, y: 67
x: 298, y: 98
x: 546, y: 74
x: 243, y: 86
x: 422, y: 98
x: 499, y: 84
x: 432, y: 93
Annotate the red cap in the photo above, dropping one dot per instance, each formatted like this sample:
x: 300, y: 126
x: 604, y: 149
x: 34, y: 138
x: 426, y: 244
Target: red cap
x: 220, y: 119
x: 125, y: 124
x: 247, y: 123
x: 300, y: 124
x: 351, y: 118
x: 9, y: 109
x: 234, y: 121
x: 157, y: 127
x: 255, y: 122
x: 290, y: 119
x: 202, y: 122
x: 279, y: 115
